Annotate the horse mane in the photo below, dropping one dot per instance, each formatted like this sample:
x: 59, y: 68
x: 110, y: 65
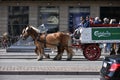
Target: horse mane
x: 34, y: 28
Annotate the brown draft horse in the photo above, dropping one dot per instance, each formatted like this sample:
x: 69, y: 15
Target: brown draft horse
x: 58, y: 40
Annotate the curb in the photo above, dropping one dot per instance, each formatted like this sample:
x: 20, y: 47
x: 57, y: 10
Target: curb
x: 46, y: 73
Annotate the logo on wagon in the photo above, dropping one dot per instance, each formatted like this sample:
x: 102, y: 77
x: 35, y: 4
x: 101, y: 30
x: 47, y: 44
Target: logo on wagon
x: 102, y: 34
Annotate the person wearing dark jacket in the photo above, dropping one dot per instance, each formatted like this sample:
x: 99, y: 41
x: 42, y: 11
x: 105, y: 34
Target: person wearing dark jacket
x: 84, y: 23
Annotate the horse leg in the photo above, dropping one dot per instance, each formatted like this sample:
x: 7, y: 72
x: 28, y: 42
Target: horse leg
x: 46, y: 55
x: 37, y: 53
x: 60, y: 52
x: 69, y: 53
x: 43, y: 54
x: 40, y: 53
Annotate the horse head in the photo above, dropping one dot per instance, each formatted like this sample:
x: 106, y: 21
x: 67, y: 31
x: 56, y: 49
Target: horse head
x: 29, y: 31
x: 25, y: 32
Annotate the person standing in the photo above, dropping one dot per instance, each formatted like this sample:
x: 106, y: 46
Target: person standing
x: 105, y: 21
x: 97, y: 20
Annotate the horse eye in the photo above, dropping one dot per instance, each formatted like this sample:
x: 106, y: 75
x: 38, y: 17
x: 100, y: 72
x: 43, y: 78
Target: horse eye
x: 23, y: 31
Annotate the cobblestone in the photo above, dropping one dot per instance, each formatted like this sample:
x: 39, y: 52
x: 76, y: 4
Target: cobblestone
x: 51, y: 68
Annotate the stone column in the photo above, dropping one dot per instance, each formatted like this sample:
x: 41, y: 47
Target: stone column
x: 3, y: 19
x: 33, y: 15
x: 63, y: 21
x: 94, y: 11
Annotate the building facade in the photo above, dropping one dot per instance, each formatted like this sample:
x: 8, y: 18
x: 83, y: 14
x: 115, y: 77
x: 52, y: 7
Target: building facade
x: 57, y: 15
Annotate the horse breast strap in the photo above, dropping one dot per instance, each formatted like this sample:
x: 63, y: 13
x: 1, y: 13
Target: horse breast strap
x: 44, y: 41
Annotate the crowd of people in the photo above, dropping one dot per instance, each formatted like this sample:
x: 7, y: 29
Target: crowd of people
x: 106, y: 22
x: 97, y: 22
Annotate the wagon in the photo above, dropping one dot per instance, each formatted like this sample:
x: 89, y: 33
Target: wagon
x: 90, y: 39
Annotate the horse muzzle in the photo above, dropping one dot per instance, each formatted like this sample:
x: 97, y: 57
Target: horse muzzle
x: 22, y: 37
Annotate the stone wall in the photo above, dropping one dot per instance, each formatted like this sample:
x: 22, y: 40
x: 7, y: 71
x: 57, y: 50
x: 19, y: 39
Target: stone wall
x: 63, y: 17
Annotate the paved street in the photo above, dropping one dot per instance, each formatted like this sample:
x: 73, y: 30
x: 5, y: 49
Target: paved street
x: 49, y: 77
x: 24, y: 63
x: 76, y: 67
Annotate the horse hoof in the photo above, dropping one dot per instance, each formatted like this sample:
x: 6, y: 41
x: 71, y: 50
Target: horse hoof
x: 54, y: 58
x: 68, y: 59
x: 48, y: 56
x: 57, y: 59
x: 39, y: 59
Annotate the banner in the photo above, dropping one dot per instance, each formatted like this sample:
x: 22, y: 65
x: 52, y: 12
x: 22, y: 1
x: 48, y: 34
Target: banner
x: 106, y: 33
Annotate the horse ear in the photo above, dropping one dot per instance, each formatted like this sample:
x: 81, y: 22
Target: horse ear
x: 26, y: 26
x: 29, y: 27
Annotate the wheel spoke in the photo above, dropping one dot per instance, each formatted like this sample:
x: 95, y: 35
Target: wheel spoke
x: 92, y: 52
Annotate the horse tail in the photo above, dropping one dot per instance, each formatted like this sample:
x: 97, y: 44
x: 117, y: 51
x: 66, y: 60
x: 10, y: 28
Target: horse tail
x: 70, y: 40
x: 70, y: 46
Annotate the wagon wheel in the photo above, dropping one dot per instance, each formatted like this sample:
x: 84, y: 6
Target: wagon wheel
x: 92, y: 52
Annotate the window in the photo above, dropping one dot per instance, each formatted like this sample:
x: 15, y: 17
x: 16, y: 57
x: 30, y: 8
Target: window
x: 50, y: 17
x: 110, y: 13
x: 74, y: 16
x: 17, y: 19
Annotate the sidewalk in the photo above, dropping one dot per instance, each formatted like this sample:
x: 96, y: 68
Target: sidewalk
x: 50, y: 67
x: 29, y: 65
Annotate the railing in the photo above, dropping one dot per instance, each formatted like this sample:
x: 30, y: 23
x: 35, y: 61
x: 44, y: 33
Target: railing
x: 105, y: 25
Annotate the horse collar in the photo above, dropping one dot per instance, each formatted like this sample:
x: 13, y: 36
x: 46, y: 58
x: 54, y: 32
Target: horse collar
x: 38, y: 39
